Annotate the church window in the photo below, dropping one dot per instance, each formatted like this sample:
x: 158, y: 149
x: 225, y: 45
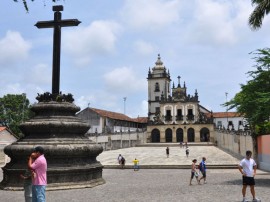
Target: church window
x: 157, y: 109
x: 190, y: 115
x: 157, y: 87
x: 179, y: 116
x: 168, y: 116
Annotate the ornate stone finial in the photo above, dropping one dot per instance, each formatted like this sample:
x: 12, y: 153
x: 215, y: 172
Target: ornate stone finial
x: 159, y: 62
x: 196, y: 95
x: 58, y: 8
x: 184, y: 84
x: 179, y: 86
x: 173, y: 85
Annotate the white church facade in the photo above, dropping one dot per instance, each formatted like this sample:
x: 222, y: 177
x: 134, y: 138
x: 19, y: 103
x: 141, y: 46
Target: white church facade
x: 174, y: 115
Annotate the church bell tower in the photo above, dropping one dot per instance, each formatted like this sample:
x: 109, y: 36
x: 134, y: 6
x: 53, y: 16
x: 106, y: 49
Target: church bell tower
x: 158, y: 86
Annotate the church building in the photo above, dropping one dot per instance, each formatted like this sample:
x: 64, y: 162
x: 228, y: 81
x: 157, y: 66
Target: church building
x: 174, y: 115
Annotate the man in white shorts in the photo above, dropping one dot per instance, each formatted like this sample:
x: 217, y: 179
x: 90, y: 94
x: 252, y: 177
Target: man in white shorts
x: 248, y: 169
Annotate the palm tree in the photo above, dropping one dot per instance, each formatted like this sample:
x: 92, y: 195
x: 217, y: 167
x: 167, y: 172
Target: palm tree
x: 262, y: 8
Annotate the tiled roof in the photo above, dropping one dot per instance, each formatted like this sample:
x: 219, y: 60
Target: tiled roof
x: 141, y: 119
x: 116, y: 115
x: 226, y: 114
x: 2, y: 128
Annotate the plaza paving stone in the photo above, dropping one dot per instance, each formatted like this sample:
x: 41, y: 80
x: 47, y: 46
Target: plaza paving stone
x: 124, y: 185
x: 155, y: 156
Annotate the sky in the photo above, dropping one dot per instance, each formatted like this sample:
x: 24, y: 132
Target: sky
x: 106, y: 58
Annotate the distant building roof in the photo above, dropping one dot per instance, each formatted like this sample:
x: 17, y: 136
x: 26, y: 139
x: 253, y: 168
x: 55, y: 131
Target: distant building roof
x: 226, y: 114
x: 2, y: 128
x: 141, y: 119
x: 118, y: 116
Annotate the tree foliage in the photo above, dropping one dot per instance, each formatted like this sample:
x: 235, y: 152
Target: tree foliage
x: 25, y: 3
x: 253, y: 101
x: 262, y: 8
x: 14, y: 109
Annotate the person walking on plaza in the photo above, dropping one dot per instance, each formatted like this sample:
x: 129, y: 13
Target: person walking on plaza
x: 194, y: 172
x: 122, y: 162
x: 38, y: 165
x: 187, y: 152
x: 248, y: 167
x: 203, y: 170
x: 27, y: 185
x: 136, y: 164
x: 119, y: 158
x: 167, y: 152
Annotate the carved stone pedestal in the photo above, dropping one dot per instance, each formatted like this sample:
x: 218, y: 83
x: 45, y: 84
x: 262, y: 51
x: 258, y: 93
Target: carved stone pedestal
x: 71, y: 157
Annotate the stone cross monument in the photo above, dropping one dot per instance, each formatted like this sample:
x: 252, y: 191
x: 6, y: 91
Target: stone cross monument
x: 57, y: 24
x: 71, y: 156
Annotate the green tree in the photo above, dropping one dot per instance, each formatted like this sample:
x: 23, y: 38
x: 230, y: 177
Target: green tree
x: 14, y: 109
x: 262, y: 8
x: 25, y: 3
x: 254, y: 98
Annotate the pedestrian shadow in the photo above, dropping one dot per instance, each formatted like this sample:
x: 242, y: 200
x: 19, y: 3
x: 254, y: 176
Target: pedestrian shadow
x: 259, y: 182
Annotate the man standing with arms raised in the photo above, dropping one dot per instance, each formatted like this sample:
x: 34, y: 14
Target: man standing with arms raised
x: 248, y: 169
x: 38, y: 164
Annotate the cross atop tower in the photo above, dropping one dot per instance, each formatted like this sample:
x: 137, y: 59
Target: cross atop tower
x: 57, y: 24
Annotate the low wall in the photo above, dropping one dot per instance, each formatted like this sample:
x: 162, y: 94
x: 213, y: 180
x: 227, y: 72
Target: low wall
x: 235, y: 142
x: 264, y: 152
x: 119, y: 140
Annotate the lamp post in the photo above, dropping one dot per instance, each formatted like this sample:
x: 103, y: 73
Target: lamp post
x: 226, y: 94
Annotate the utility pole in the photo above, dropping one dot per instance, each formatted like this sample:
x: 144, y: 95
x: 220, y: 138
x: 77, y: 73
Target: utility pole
x: 226, y: 94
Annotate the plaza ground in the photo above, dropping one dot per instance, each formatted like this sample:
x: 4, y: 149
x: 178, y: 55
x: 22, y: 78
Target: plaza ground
x: 160, y: 184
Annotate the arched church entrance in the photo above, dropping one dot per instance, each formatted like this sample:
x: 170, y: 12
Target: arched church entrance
x: 179, y: 135
x: 204, y: 134
x: 190, y: 135
x: 168, y: 135
x: 155, y: 135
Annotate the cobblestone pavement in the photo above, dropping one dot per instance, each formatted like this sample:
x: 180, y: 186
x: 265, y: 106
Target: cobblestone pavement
x: 157, y: 156
x: 157, y: 185
x: 160, y: 185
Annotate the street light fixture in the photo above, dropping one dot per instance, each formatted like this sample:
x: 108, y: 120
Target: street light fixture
x: 226, y: 94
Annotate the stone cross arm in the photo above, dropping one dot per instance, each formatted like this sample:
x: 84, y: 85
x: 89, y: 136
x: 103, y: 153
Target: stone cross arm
x: 62, y: 23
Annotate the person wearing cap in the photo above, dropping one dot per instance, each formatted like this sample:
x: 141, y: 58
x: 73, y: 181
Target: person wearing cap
x: 38, y: 165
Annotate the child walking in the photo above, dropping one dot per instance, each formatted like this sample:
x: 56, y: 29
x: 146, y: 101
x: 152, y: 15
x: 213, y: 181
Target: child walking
x: 27, y: 185
x: 194, y: 172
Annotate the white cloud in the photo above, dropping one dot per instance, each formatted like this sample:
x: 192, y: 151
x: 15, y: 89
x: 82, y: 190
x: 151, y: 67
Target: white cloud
x: 218, y: 22
x: 99, y: 38
x: 124, y: 80
x: 39, y: 74
x: 12, y: 88
x: 150, y: 14
x: 143, y: 47
x: 13, y: 48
